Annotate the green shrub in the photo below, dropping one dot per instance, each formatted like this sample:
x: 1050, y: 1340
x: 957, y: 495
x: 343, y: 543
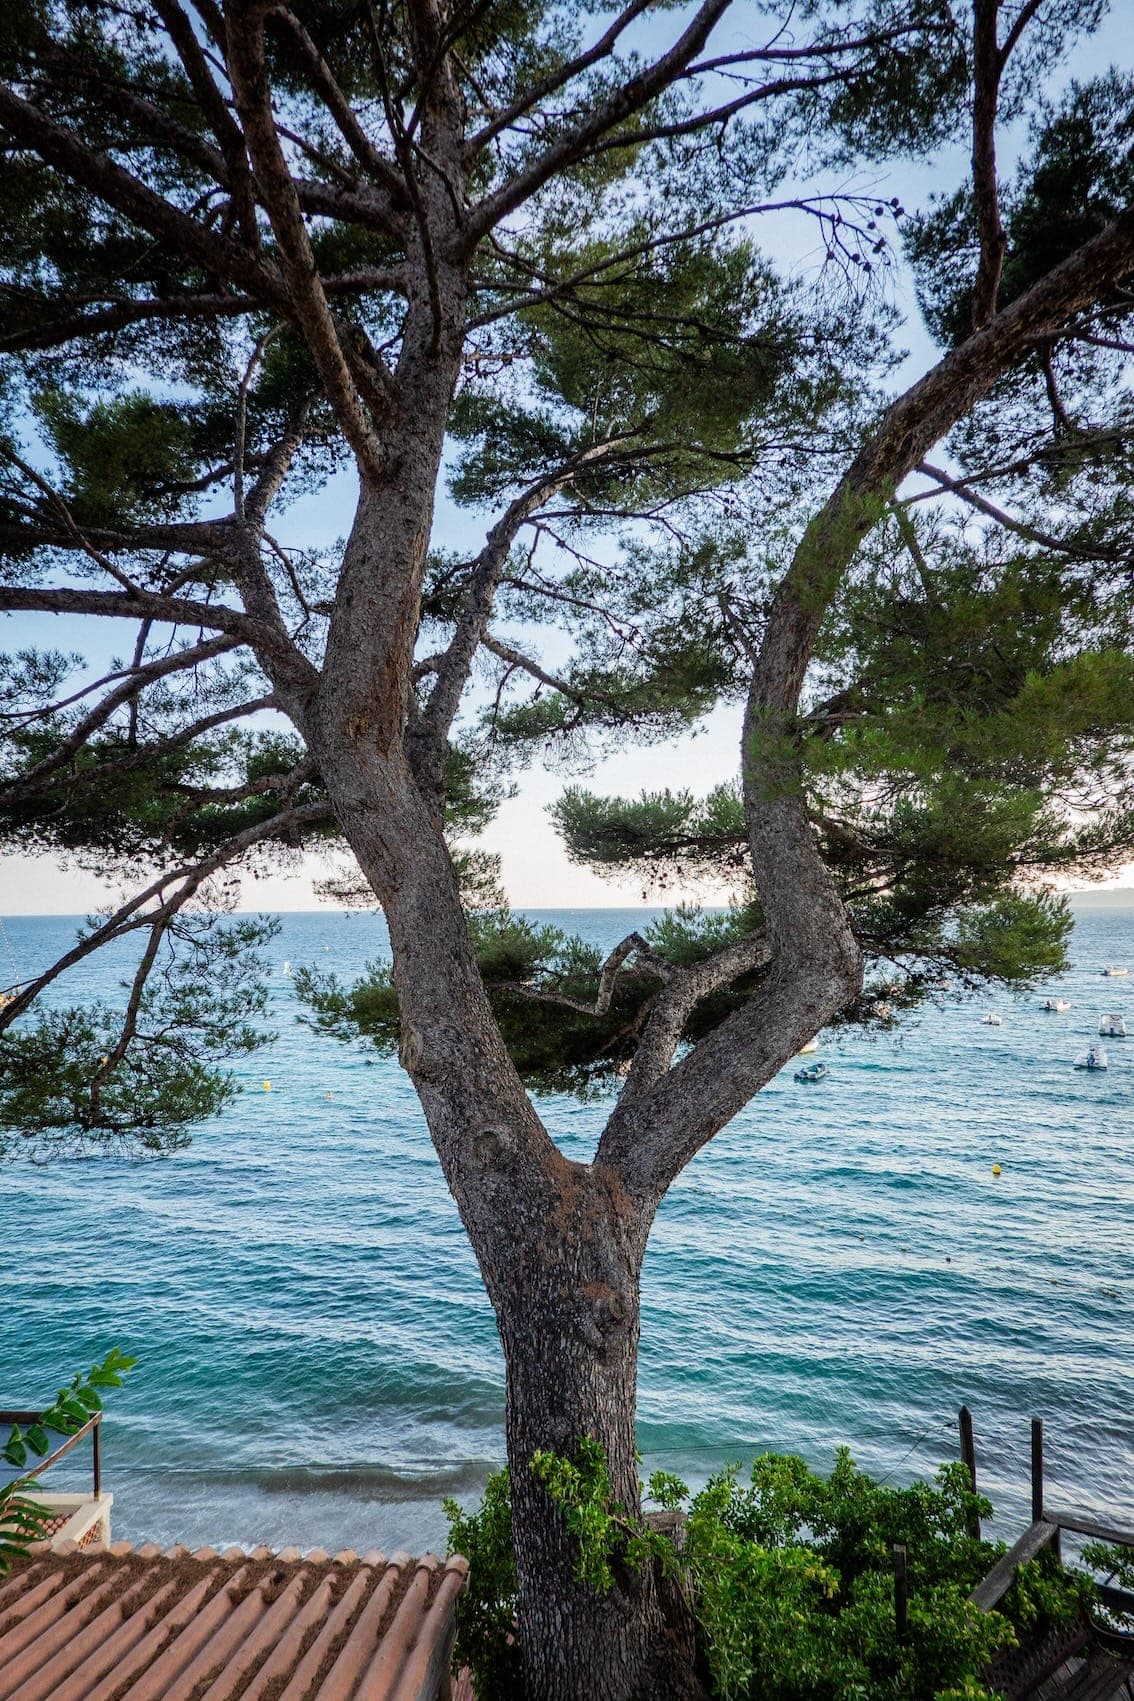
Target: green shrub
x: 792, y: 1576
x: 486, y: 1611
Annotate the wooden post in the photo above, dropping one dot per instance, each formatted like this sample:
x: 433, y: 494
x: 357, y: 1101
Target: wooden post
x: 968, y: 1459
x: 901, y: 1591
x: 1037, y: 1470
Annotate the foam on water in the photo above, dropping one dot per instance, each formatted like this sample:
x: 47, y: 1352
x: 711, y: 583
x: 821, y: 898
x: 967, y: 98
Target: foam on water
x: 319, y: 1363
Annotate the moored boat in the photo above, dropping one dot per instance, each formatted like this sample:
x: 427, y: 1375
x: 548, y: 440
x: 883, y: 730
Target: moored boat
x: 1093, y: 1060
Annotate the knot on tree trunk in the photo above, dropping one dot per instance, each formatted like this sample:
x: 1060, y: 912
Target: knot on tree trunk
x: 490, y: 1146
x: 606, y: 1312
x: 411, y: 1050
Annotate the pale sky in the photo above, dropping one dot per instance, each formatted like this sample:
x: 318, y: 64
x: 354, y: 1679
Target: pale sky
x: 536, y: 871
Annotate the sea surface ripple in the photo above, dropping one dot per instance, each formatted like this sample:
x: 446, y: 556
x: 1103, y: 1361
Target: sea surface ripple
x: 319, y: 1363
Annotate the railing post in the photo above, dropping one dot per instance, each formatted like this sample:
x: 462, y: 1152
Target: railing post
x: 96, y: 1454
x: 1037, y: 1470
x: 901, y: 1591
x: 968, y: 1459
x: 1037, y: 1482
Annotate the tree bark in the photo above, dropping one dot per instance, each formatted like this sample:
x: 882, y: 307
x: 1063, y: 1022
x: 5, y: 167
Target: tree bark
x: 569, y: 1325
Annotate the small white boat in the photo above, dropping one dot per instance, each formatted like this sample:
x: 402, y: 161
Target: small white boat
x: 1093, y: 1059
x: 1113, y: 1026
x: 812, y: 1045
x: 286, y: 967
x: 1058, y: 1004
x: 992, y: 1020
x: 812, y: 1072
x: 1114, y: 971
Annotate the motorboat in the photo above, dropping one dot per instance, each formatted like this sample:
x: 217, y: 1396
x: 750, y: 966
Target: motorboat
x: 1114, y: 971
x: 1093, y: 1059
x: 812, y: 1072
x: 812, y: 1045
x: 1113, y: 1026
x: 1056, y: 1004
x: 992, y: 1020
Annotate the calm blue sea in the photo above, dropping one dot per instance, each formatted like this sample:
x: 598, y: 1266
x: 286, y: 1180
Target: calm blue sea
x: 318, y: 1363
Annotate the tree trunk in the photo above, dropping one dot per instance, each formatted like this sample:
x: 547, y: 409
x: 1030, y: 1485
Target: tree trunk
x: 569, y: 1328
x: 560, y: 1248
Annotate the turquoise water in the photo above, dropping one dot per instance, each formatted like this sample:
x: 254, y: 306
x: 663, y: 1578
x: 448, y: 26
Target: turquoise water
x: 319, y: 1363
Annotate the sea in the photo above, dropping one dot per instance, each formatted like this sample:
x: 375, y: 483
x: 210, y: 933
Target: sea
x: 318, y: 1364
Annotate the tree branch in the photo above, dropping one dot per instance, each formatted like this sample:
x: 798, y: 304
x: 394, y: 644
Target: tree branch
x: 555, y: 80
x: 97, y: 172
x: 635, y: 93
x: 137, y: 605
x: 632, y: 946
x: 687, y: 988
x: 17, y: 788
x: 248, y: 74
x: 135, y: 682
x: 815, y: 965
x: 453, y: 667
x: 129, y: 917
x: 368, y: 156
x: 987, y: 66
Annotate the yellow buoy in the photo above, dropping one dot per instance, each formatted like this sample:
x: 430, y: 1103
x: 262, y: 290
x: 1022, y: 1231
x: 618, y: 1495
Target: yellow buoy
x: 267, y: 1086
x: 996, y: 1169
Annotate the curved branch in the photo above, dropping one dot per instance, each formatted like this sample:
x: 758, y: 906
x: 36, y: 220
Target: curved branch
x: 635, y: 93
x: 135, y: 682
x: 632, y: 946
x: 131, y: 916
x: 815, y: 961
x: 687, y: 988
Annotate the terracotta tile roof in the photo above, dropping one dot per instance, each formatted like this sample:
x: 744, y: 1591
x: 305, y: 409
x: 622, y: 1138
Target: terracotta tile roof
x: 141, y: 1624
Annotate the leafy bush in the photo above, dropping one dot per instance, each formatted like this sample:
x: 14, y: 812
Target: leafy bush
x: 792, y: 1576
x: 486, y: 1611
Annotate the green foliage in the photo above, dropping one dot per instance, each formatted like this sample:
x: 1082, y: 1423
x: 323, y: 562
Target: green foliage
x: 544, y: 986
x: 123, y: 457
x: 22, y: 1519
x: 99, y: 1079
x: 486, y: 1609
x: 1076, y: 176
x: 792, y: 1575
x: 604, y: 1531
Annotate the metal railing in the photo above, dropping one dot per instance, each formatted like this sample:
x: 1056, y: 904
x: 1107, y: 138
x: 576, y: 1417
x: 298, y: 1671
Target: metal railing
x: 92, y: 1427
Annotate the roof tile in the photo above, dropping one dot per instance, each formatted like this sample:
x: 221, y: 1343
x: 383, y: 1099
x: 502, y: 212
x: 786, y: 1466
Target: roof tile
x: 148, y: 1625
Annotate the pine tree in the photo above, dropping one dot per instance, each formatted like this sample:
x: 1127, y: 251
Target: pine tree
x: 531, y: 250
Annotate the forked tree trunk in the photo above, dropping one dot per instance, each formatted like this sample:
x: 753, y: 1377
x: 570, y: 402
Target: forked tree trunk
x: 559, y: 1244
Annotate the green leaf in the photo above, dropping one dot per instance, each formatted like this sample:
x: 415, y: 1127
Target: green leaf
x: 15, y: 1452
